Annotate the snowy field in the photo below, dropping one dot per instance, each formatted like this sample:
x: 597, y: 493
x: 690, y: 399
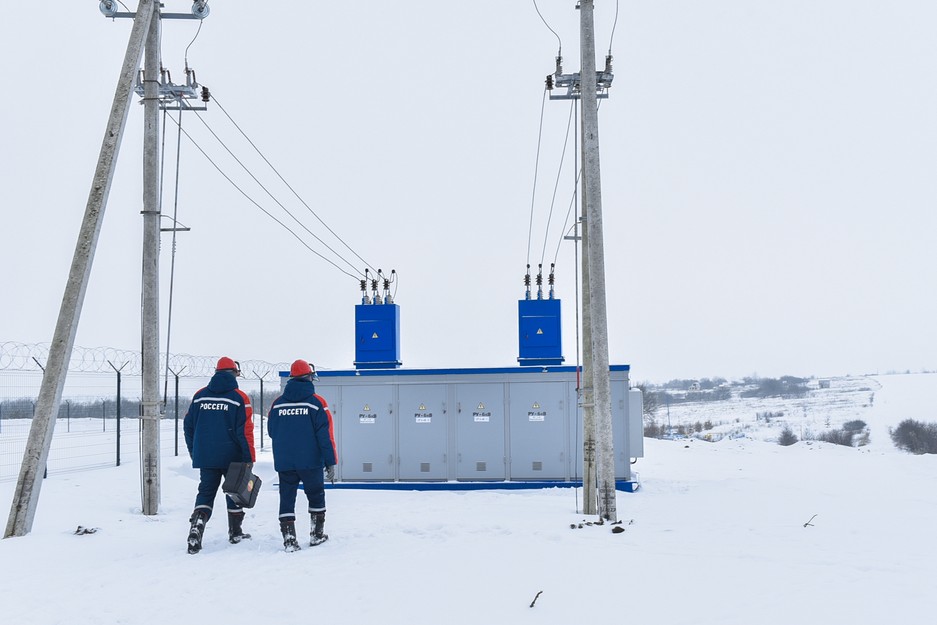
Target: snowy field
x: 738, y: 531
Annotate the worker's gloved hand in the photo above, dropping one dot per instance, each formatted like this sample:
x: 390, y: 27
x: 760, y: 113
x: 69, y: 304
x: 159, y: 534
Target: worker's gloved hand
x: 330, y: 473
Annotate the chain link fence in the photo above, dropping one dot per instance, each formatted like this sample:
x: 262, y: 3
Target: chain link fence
x: 97, y: 424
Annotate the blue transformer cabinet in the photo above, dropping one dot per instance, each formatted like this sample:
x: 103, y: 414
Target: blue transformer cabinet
x: 539, y: 332
x: 377, y: 336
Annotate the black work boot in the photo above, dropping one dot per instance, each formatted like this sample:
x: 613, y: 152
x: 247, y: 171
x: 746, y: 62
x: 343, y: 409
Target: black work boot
x: 235, y: 534
x: 198, y: 520
x: 288, y: 529
x: 316, y: 535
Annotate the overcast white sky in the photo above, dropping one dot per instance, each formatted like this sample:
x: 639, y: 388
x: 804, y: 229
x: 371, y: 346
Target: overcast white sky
x: 768, y: 179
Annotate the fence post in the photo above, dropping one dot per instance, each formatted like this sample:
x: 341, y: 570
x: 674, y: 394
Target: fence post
x: 118, y: 405
x: 68, y: 415
x: 261, y: 378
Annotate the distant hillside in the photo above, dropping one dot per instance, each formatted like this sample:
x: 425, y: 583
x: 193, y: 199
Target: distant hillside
x: 811, y: 409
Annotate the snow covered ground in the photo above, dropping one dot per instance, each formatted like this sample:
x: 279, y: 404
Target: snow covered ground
x: 738, y: 531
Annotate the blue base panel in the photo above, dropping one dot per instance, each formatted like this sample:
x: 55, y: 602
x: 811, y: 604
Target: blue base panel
x: 628, y: 486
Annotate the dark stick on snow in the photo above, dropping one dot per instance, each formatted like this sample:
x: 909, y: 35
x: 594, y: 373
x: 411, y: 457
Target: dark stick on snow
x: 809, y: 523
x: 535, y: 598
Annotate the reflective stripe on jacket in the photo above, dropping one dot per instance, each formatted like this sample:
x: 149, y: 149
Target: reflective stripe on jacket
x: 219, y: 425
x: 301, y: 428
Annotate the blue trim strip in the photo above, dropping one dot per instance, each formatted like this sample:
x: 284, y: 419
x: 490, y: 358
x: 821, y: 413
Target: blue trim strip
x: 622, y: 485
x: 455, y: 371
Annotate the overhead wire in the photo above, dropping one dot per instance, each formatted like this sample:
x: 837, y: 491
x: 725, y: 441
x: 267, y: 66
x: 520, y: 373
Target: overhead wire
x: 533, y: 195
x: 274, y: 169
x: 614, y: 25
x: 186, y: 54
x: 268, y: 192
x: 575, y: 195
x: 288, y: 185
x: 172, y: 263
x: 569, y: 211
x: 559, y: 41
x: 556, y: 186
x: 262, y: 209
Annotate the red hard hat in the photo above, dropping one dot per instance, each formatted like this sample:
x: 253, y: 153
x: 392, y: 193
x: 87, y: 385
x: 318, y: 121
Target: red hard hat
x: 225, y: 363
x: 300, y: 368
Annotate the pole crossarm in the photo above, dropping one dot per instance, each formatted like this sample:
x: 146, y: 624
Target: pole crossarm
x: 573, y: 85
x: 200, y: 10
x: 162, y: 16
x: 573, y: 82
x: 173, y: 97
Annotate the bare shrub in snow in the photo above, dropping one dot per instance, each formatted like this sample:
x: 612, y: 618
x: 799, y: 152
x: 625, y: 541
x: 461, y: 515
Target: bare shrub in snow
x: 915, y: 436
x: 652, y: 429
x: 837, y: 437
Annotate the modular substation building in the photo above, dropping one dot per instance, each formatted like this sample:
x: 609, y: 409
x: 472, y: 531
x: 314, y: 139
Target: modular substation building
x: 510, y: 424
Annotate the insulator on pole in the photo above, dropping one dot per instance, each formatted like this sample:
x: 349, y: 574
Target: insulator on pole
x: 200, y: 9
x: 540, y: 281
x: 527, y: 283
x: 108, y: 8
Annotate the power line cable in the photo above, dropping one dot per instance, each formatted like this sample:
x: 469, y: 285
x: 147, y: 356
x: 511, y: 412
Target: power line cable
x: 569, y: 211
x: 172, y: 264
x: 186, y: 55
x: 556, y: 186
x: 573, y: 204
x: 614, y: 25
x: 533, y: 195
x: 267, y: 191
x: 288, y: 186
x: 560, y: 41
x: 265, y: 211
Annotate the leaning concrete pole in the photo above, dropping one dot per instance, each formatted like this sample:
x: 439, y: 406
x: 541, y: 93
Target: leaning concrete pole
x: 595, y: 251
x: 149, y: 320
x: 26, y: 496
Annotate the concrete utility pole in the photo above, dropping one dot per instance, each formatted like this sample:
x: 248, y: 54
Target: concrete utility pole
x: 150, y: 305
x: 29, y: 483
x: 595, y: 253
x: 589, y: 476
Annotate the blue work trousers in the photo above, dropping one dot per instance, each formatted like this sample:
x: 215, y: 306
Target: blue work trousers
x: 209, y: 481
x: 314, y: 485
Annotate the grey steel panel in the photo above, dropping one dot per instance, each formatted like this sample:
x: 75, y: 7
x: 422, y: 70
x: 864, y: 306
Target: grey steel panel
x: 423, y: 426
x: 367, y: 450
x: 538, y: 425
x: 479, y: 418
x: 333, y: 398
x: 620, y: 433
x: 636, y: 422
x: 574, y: 433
